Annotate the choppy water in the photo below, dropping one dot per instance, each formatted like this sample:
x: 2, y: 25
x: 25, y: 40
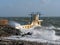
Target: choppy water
x: 55, y: 21
x: 43, y: 34
x: 47, y: 20
x: 46, y: 32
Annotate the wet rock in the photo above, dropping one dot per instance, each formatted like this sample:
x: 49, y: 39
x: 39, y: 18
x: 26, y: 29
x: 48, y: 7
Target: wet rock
x: 29, y: 33
x: 7, y: 30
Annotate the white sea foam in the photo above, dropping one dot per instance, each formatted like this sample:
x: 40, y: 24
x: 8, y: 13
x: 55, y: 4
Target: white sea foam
x: 38, y: 33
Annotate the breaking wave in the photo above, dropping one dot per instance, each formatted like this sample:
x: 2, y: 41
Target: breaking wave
x: 44, y: 32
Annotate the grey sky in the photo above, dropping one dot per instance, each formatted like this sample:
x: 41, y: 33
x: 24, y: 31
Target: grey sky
x: 25, y: 7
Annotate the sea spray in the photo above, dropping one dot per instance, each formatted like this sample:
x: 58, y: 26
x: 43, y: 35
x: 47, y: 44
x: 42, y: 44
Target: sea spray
x: 43, y: 32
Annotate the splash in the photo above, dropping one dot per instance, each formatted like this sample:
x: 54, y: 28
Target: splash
x: 43, y: 32
x: 14, y: 24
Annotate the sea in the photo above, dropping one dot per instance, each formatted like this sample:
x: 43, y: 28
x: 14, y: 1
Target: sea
x: 47, y: 21
x: 25, y: 20
x: 41, y: 33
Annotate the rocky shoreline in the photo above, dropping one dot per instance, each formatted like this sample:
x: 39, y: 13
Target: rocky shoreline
x: 6, y: 31
x: 21, y: 42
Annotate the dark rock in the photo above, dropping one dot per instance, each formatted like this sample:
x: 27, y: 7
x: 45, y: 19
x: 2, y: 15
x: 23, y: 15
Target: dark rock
x: 29, y: 33
x: 7, y: 30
